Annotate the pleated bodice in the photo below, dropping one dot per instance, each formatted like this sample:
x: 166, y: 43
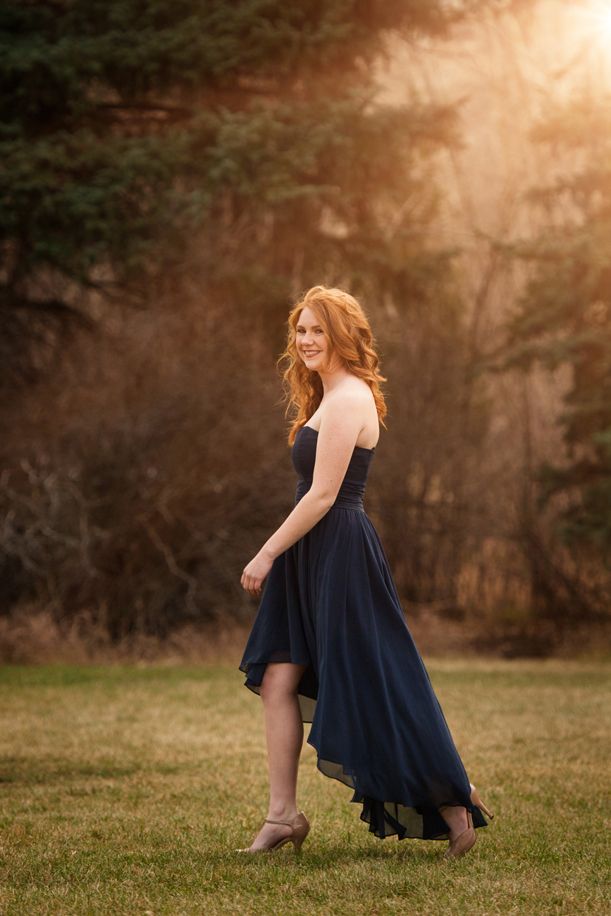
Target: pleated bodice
x: 352, y: 489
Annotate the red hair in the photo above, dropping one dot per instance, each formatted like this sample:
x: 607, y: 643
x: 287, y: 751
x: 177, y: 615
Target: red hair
x: 349, y: 334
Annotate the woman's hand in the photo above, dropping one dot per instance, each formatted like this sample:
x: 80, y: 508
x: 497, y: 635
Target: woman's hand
x: 255, y: 572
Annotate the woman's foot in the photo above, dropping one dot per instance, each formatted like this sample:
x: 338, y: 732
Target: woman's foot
x: 463, y: 842
x: 269, y: 834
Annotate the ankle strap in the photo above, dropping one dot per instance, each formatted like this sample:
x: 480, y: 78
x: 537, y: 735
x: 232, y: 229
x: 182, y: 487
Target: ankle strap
x: 269, y: 820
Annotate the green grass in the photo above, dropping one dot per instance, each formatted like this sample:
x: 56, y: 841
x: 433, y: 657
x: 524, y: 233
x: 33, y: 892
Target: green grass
x: 125, y: 790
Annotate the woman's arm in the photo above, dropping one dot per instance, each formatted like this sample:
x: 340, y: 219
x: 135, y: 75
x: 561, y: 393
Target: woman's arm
x: 340, y: 425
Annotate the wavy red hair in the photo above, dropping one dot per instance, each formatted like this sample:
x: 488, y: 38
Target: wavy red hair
x: 349, y: 334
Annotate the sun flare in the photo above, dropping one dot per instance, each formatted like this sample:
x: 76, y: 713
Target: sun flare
x: 599, y: 16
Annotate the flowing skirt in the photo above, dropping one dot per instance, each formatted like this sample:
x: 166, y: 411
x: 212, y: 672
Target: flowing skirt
x: 330, y: 602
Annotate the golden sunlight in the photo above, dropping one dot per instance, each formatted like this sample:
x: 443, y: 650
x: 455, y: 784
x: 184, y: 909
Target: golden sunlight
x: 597, y: 15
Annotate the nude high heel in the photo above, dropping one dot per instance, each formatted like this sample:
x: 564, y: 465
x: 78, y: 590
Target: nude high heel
x: 301, y: 828
x: 476, y: 800
x: 463, y: 842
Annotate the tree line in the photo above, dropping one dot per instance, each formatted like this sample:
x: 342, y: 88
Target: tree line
x: 173, y: 176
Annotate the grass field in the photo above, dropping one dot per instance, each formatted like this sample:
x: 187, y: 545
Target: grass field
x: 125, y: 790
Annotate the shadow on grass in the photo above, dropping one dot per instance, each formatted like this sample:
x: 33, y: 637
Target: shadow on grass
x: 327, y: 857
x: 27, y: 771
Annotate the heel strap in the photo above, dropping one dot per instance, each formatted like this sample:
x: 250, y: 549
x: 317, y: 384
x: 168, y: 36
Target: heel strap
x: 269, y: 820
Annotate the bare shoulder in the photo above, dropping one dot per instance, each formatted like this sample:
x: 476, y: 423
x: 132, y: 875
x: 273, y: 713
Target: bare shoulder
x: 345, y: 418
x: 350, y: 413
x: 355, y: 397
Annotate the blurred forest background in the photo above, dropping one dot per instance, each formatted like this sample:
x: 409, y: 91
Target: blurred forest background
x: 174, y: 173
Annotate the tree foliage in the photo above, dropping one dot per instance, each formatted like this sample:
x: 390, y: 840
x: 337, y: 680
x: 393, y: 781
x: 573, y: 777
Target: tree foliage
x: 564, y: 318
x: 126, y: 124
x: 231, y: 154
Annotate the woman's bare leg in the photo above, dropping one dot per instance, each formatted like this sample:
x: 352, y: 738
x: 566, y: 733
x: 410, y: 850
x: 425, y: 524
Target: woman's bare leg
x: 455, y: 817
x: 284, y: 735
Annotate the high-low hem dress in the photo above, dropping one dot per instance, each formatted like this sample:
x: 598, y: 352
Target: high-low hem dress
x: 329, y: 602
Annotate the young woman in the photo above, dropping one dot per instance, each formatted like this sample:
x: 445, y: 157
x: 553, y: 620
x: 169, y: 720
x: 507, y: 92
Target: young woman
x: 330, y: 644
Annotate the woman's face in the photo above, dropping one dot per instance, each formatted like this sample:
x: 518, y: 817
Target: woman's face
x: 311, y: 340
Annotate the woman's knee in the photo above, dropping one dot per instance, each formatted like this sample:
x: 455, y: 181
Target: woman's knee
x: 280, y: 679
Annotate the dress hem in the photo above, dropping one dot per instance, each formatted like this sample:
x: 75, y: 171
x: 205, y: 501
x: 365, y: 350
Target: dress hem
x: 375, y: 812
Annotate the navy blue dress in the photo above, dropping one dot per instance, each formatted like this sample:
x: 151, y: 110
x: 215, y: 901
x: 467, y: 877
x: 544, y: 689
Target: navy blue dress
x: 330, y: 602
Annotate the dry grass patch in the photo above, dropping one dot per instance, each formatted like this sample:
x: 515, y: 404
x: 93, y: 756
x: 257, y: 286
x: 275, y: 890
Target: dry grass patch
x: 127, y: 788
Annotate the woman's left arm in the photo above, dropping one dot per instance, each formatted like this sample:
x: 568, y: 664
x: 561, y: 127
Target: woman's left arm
x: 339, y: 430
x: 307, y: 513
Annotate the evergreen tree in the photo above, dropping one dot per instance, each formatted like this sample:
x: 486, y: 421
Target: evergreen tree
x: 126, y: 123
x: 238, y: 151
x: 564, y: 318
